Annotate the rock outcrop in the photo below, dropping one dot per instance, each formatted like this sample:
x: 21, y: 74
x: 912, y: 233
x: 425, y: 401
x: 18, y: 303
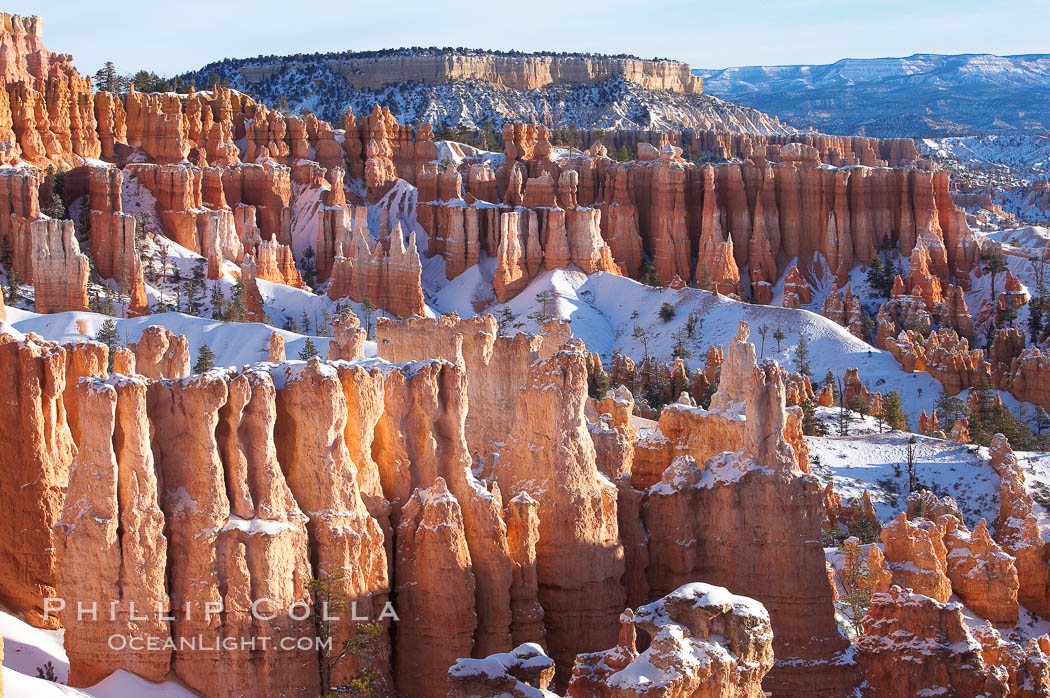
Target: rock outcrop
x: 694, y: 516
x: 550, y: 456
x: 916, y: 556
x: 346, y: 541
x: 160, y: 353
x: 1017, y: 529
x: 389, y: 279
x: 435, y: 591
x: 525, y: 672
x: 60, y: 271
x: 982, y: 575
x: 112, y: 235
x: 913, y: 645
x: 236, y: 537
x: 36, y: 461
x: 125, y: 542
x: 1027, y: 668
x: 702, y: 641
x: 348, y: 339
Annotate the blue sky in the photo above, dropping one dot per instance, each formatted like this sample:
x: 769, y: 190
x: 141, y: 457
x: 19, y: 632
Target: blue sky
x: 172, y: 36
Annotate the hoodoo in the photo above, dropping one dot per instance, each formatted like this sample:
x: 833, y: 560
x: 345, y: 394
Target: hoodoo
x: 435, y: 372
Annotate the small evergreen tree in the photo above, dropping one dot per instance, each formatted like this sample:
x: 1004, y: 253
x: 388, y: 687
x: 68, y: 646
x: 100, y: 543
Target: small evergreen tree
x: 504, y: 320
x: 802, y: 366
x: 810, y: 426
x: 1035, y: 318
x: 845, y: 415
x: 893, y: 413
x: 106, y: 78
x: 692, y: 322
x: 368, y: 309
x: 994, y: 264
x: 703, y: 279
x: 1006, y: 315
x: 779, y: 336
x: 308, y: 267
x: 1042, y: 420
x: 948, y: 409
x: 548, y: 301
x: 857, y: 583
x: 667, y: 312
x: 910, y: 463
x: 647, y: 273
x: 218, y: 302
x: 47, y: 672
x: 14, y: 288
x: 205, y: 360
x: 331, y: 601
x: 237, y: 308
x: 680, y: 351
x: 176, y: 280
x: 309, y: 350
x: 108, y: 335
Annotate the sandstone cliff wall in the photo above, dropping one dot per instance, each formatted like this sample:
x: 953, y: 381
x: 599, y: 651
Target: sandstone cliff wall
x: 520, y: 73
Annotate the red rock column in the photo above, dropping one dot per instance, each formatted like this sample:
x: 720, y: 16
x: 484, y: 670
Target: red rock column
x: 549, y: 454
x: 346, y: 542
x: 36, y: 460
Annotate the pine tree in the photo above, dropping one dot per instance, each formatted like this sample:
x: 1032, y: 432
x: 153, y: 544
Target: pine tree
x: 802, y: 366
x: 108, y: 335
x: 330, y: 601
x: 845, y: 415
x: 176, y: 280
x: 680, y: 351
x: 218, y: 302
x: 994, y: 263
x: 1035, y: 318
x: 504, y: 319
x: 308, y: 267
x: 780, y: 337
x: 913, y: 481
x: 875, y: 276
x: 647, y: 273
x: 106, y: 78
x: 308, y: 351
x: 205, y: 360
x: 857, y: 583
x: 368, y: 309
x: 703, y: 279
x: 238, y: 305
x: 893, y: 413
x: 810, y: 426
x: 14, y: 289
x: 762, y: 332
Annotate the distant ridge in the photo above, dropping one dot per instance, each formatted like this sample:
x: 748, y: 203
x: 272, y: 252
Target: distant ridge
x: 924, y: 95
x: 469, y: 88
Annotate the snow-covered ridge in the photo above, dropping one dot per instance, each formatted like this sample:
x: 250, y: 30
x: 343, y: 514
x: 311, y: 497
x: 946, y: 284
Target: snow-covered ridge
x: 601, y: 99
x: 915, y: 96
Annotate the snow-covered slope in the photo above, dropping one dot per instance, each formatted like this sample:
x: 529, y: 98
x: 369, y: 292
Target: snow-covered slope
x: 234, y: 344
x: 604, y: 309
x: 917, y: 96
